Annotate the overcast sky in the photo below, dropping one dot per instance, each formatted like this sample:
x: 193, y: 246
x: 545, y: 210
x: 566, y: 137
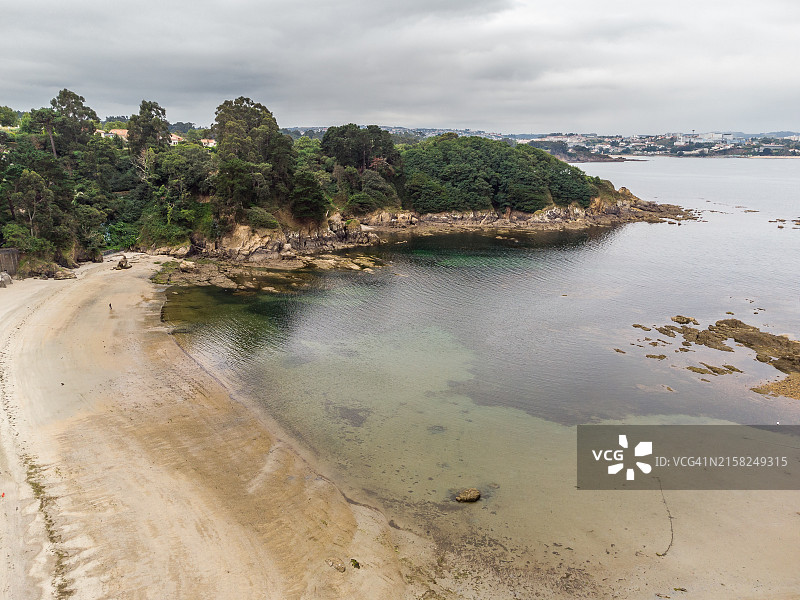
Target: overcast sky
x: 605, y: 66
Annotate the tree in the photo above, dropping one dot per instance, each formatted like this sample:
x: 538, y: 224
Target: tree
x: 76, y: 122
x: 246, y: 130
x: 380, y: 190
x: 109, y: 125
x: 181, y: 127
x: 31, y: 198
x: 251, y: 148
x: 307, y: 201
x: 44, y: 119
x: 352, y: 146
x: 17, y: 236
x: 234, y: 187
x: 89, y: 221
x: 185, y: 170
x: 309, y: 154
x: 8, y: 116
x: 148, y: 129
x: 472, y: 173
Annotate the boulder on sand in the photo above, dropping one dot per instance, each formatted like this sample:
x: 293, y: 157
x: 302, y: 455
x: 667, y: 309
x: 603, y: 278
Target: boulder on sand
x: 469, y: 495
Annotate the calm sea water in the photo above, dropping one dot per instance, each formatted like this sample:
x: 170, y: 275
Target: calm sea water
x: 466, y: 358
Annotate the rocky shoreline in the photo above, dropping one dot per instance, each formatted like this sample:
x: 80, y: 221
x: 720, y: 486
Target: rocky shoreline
x: 277, y: 260
x: 249, y: 258
x: 272, y: 276
x: 246, y: 253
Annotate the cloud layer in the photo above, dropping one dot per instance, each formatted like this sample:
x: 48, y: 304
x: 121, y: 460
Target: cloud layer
x: 611, y: 66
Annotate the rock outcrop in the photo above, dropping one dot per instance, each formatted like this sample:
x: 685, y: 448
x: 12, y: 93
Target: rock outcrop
x: 255, y: 245
x: 247, y: 244
x: 625, y: 208
x: 64, y: 274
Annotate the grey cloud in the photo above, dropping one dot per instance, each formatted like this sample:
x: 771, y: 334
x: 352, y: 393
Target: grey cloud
x: 511, y: 65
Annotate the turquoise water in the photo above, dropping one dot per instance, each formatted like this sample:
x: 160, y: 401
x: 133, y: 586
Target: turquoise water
x: 467, y: 358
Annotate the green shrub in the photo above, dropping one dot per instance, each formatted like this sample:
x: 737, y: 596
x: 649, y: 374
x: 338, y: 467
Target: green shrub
x: 121, y: 235
x: 361, y: 203
x: 260, y: 218
x: 17, y: 236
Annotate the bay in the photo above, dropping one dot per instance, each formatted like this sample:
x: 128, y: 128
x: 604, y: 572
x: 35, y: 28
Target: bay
x: 468, y: 359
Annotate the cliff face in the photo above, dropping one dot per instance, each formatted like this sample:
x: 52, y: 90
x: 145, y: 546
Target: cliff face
x: 246, y: 244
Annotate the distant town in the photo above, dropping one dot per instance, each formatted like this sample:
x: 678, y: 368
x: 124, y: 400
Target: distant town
x: 570, y: 147
x: 578, y: 147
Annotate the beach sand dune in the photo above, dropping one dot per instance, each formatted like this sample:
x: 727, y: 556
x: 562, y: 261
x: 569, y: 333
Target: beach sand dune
x: 129, y: 472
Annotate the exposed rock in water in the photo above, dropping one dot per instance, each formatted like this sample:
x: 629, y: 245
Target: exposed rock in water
x: 699, y: 370
x: 681, y: 320
x: 123, y: 263
x: 667, y: 330
x: 186, y: 266
x: 656, y: 356
x: 469, y: 495
x: 705, y: 337
x: 776, y: 350
x: 715, y: 370
x: 779, y: 351
x: 5, y: 279
x: 789, y: 387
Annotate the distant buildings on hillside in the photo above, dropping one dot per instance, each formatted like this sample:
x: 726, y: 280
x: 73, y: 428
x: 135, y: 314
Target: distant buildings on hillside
x: 174, y: 139
x: 583, y: 145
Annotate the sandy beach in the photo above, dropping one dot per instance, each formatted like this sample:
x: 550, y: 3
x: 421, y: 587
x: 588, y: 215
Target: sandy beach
x: 130, y: 472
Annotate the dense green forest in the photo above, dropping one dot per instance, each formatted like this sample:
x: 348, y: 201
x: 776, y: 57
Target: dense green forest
x: 72, y: 186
